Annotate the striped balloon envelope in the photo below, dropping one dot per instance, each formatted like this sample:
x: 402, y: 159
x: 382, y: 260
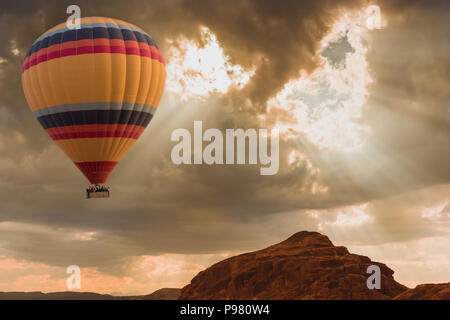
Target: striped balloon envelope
x: 94, y: 89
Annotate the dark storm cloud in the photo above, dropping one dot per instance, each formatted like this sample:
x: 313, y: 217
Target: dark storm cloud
x: 284, y: 36
x: 157, y: 207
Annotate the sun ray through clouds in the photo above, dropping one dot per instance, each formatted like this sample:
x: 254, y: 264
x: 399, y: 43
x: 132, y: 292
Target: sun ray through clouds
x: 326, y: 106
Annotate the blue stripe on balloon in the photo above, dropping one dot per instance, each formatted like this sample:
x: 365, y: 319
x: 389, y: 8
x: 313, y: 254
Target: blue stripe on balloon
x: 97, y: 32
x: 139, y: 107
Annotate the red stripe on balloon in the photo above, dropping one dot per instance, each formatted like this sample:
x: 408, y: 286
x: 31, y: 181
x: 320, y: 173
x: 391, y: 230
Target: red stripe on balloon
x: 57, y: 51
x: 96, y: 131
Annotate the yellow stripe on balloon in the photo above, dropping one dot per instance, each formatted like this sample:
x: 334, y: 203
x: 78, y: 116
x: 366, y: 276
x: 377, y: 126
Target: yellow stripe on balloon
x: 94, y: 77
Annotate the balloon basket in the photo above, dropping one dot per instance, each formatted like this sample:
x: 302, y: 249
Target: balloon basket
x: 97, y: 191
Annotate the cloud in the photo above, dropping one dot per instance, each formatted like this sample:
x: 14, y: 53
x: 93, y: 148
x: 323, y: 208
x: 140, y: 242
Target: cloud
x: 326, y: 106
x: 198, y: 71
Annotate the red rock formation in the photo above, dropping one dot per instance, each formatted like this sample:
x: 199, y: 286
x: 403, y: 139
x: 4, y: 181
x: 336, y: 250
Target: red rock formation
x: 305, y: 266
x: 439, y: 291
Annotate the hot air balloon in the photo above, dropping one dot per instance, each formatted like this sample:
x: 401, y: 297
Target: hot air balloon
x: 94, y: 90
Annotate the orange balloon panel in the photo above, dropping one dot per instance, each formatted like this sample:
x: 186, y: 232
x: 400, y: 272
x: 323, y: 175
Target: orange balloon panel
x: 94, y: 90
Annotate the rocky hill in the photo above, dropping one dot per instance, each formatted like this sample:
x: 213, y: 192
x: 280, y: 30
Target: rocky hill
x: 430, y: 291
x: 305, y: 266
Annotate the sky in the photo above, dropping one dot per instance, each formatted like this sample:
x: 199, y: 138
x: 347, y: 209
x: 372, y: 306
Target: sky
x: 363, y: 116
